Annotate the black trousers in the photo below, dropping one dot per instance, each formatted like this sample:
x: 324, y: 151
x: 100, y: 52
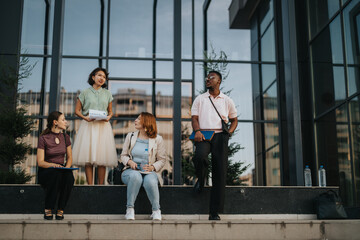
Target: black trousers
x: 57, y: 184
x: 218, y: 147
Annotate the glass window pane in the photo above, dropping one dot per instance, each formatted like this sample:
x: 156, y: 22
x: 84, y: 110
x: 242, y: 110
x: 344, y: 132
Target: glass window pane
x: 165, y: 129
x: 131, y: 98
x: 74, y: 77
x: 164, y: 99
x: 268, y: 11
x: 353, y: 80
x: 272, y: 156
x: 270, y: 103
x: 186, y: 70
x: 345, y: 172
x: 352, y: 32
x: 319, y: 17
x: 187, y: 166
x: 130, y: 68
x: 164, y: 69
x: 82, y: 24
x: 30, y: 87
x: 339, y: 83
x: 235, y: 43
x: 354, y: 110
x: 268, y: 72
x: 186, y: 100
x: 30, y: 163
x: 35, y: 15
x: 199, y: 81
x: 328, y: 81
x: 199, y: 29
x: 164, y: 29
x: 186, y: 27
x: 327, y: 148
x: 238, y: 86
x: 131, y: 28
x: 336, y: 41
x: 268, y: 44
x: 244, y: 137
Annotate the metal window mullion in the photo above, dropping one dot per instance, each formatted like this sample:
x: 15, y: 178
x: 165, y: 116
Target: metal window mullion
x: 177, y: 94
x: 57, y: 47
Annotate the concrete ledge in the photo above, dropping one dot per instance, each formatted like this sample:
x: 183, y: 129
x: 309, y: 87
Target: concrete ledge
x: 181, y: 229
x: 164, y: 217
x: 29, y: 199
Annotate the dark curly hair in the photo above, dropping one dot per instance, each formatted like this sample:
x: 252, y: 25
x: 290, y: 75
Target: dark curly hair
x: 93, y: 73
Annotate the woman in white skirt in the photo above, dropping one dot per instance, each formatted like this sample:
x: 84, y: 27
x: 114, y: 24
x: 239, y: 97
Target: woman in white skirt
x: 94, y: 143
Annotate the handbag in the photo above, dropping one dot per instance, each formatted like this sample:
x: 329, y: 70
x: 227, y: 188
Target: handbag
x: 329, y: 206
x: 116, y: 173
x: 224, y: 125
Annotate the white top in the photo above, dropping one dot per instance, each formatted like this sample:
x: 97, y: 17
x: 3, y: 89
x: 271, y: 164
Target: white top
x: 208, y: 118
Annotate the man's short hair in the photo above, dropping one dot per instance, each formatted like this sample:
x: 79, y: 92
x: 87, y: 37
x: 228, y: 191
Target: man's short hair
x: 217, y: 73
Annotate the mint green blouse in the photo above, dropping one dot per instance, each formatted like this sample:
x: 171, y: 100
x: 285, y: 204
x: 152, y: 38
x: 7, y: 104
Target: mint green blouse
x: 95, y: 99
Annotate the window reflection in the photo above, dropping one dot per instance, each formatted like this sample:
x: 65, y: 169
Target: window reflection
x: 268, y: 12
x: 131, y: 98
x: 353, y: 80
x: 164, y: 29
x: 30, y: 88
x: 131, y: 28
x: 235, y: 43
x: 37, y: 23
x: 270, y: 103
x: 82, y: 27
x: 319, y: 17
x: 344, y: 164
x: 238, y: 83
x: 351, y: 13
x: 164, y: 99
x: 130, y: 68
x: 339, y: 83
x: 74, y: 77
x: 164, y: 69
x: 268, y: 72
x: 354, y: 110
x: 268, y: 44
x: 186, y: 27
x: 186, y: 100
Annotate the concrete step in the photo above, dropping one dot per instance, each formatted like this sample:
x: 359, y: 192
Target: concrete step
x: 180, y: 229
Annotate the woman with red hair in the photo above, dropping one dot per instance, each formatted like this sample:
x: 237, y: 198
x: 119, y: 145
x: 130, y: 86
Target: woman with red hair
x: 143, y: 155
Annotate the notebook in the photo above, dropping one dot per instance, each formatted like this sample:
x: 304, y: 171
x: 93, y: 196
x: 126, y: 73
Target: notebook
x: 207, y: 134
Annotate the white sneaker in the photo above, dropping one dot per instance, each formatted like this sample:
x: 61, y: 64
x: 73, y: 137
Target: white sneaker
x: 156, y: 215
x: 130, y: 214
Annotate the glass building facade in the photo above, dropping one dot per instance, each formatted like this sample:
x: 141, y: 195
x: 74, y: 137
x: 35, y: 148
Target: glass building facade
x: 293, y: 73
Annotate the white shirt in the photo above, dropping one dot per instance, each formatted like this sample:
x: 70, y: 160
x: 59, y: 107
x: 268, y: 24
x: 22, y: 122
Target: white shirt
x: 208, y: 118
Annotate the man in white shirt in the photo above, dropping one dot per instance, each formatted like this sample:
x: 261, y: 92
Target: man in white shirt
x: 205, y: 117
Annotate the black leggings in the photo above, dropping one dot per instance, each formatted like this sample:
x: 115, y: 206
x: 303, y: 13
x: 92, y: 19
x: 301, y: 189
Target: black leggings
x: 57, y: 183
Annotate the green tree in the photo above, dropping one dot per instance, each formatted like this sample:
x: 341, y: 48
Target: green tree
x: 217, y: 62
x: 15, y: 124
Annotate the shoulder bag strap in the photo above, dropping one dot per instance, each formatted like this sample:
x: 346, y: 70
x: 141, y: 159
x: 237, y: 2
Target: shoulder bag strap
x: 215, y: 108
x: 132, y: 134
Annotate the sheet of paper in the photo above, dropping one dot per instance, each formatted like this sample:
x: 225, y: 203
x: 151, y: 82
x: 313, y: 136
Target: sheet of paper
x: 97, y: 115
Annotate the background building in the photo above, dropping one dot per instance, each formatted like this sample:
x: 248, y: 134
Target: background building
x: 293, y: 73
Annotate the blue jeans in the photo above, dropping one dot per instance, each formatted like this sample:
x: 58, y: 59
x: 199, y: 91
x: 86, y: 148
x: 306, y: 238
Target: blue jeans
x: 134, y: 180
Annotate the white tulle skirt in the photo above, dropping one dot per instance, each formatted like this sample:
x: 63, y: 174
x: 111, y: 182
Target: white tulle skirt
x: 95, y: 145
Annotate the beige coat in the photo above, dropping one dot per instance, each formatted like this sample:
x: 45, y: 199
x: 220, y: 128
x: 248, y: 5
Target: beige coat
x: 157, y: 153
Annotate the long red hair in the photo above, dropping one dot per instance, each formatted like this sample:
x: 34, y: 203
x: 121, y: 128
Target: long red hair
x: 148, y: 122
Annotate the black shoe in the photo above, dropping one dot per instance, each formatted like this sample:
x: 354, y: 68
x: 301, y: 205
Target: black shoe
x: 197, y: 187
x: 48, y: 214
x: 59, y: 215
x: 215, y: 217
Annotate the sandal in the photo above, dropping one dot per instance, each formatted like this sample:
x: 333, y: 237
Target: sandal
x: 60, y: 215
x: 48, y: 214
